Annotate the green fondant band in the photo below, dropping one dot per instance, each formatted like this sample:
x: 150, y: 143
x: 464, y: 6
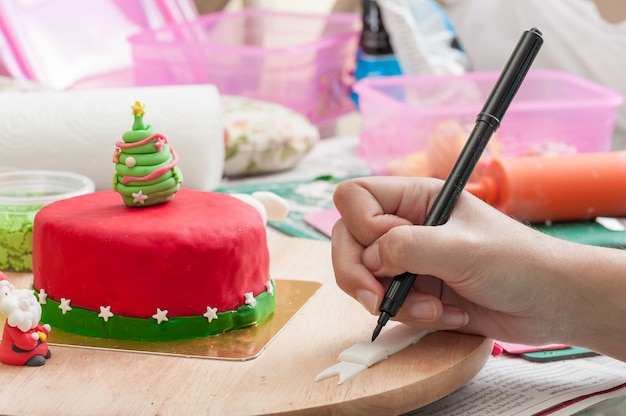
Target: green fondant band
x: 170, y: 173
x: 133, y: 136
x: 141, y: 149
x: 162, y: 185
x: 174, y: 172
x: 153, y: 198
x: 88, y: 323
x: 142, y: 170
x: 143, y: 159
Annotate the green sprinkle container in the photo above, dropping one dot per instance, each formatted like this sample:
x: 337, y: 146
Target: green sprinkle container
x: 22, y: 195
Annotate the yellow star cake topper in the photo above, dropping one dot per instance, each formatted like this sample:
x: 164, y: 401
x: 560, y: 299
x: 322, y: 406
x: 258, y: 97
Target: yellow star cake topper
x: 138, y: 109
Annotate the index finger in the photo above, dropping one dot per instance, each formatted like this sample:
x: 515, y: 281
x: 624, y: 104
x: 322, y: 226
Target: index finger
x: 370, y: 207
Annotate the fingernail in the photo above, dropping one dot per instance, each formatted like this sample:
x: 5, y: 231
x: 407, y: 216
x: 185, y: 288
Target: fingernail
x: 425, y: 311
x: 455, y: 318
x: 371, y: 258
x: 368, y: 300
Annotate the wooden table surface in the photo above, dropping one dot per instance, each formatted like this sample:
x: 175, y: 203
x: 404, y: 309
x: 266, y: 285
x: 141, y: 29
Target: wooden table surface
x: 78, y: 381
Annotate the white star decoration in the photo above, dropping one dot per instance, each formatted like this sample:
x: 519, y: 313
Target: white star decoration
x: 269, y: 287
x: 139, y: 197
x: 105, y: 313
x: 250, y: 300
x: 43, y: 296
x: 211, y: 313
x: 65, y: 305
x: 160, y: 316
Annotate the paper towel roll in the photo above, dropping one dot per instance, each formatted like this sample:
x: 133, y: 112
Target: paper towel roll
x: 76, y: 130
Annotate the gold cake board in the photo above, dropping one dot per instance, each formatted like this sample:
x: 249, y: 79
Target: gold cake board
x: 243, y: 344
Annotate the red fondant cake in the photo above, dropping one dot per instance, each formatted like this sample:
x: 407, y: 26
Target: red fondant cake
x: 195, y: 266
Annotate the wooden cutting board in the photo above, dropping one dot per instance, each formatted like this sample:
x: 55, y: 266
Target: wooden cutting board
x: 281, y: 380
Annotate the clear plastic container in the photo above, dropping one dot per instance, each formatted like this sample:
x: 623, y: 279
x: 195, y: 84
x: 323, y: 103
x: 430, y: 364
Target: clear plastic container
x: 22, y: 195
x: 551, y: 108
x: 302, y: 61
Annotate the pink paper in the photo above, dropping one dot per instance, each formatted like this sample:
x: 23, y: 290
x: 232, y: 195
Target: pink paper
x: 323, y: 220
x: 512, y: 348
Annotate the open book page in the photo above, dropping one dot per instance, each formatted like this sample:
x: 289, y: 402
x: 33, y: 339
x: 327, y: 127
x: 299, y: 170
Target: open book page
x: 513, y: 386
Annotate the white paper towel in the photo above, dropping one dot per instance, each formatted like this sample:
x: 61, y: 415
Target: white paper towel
x: 76, y: 130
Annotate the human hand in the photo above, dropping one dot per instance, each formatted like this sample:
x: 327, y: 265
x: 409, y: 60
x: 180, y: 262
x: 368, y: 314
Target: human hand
x: 481, y: 272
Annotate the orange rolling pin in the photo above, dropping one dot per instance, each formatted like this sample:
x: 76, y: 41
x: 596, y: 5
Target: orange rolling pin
x: 536, y: 189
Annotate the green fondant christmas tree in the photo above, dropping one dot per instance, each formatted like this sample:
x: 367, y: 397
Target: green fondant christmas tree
x: 145, y: 165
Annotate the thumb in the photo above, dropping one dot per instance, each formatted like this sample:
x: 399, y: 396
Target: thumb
x: 411, y: 249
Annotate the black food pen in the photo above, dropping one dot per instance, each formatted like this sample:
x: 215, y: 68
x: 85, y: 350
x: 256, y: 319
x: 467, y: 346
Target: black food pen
x: 487, y: 122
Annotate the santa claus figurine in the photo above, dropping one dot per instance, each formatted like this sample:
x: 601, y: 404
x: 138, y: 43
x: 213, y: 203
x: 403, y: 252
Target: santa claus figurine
x: 24, y: 338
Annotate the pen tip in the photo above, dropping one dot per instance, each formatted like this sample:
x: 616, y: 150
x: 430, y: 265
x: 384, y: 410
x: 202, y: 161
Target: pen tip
x: 376, y: 332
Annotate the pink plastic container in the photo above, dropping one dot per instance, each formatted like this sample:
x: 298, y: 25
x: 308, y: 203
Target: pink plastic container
x: 302, y: 61
x: 399, y: 114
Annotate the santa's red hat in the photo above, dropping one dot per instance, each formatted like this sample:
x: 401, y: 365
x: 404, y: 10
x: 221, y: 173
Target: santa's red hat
x: 4, y: 280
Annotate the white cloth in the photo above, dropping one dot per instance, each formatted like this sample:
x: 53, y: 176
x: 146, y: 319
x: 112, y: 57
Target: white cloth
x: 576, y: 39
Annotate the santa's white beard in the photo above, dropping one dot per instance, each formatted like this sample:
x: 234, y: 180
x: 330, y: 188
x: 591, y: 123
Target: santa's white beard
x: 21, y: 309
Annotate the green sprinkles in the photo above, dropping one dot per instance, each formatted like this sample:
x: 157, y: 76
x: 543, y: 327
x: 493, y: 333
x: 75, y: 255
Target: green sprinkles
x: 16, y: 237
